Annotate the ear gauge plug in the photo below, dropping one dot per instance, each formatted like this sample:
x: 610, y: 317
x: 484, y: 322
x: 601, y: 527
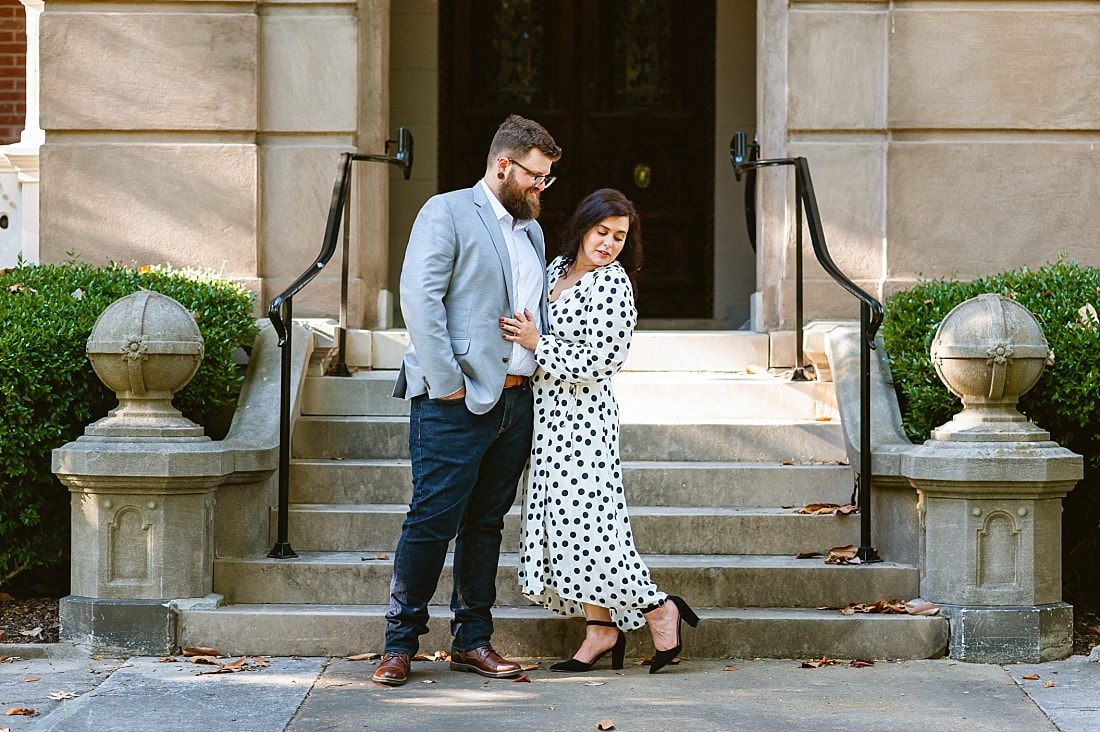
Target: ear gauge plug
x: 500, y: 175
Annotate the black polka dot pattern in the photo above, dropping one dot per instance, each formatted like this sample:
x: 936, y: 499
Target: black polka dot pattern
x: 577, y: 543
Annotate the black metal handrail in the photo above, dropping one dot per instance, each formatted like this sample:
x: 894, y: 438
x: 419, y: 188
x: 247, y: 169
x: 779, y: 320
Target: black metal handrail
x: 280, y: 312
x: 744, y: 157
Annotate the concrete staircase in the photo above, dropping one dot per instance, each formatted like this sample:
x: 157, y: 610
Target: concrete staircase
x: 716, y: 462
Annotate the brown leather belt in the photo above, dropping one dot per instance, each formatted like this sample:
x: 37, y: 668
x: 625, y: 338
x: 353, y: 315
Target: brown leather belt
x: 515, y: 380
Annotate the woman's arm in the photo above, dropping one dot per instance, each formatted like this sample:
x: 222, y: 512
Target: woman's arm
x: 610, y: 320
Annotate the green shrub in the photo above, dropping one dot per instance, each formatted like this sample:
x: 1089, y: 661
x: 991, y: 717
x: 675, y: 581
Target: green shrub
x: 49, y: 392
x: 1065, y: 401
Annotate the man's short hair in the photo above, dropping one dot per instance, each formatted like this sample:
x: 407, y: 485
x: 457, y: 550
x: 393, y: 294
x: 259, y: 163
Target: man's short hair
x: 517, y: 135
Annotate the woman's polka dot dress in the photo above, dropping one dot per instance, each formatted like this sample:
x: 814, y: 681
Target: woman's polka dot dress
x: 577, y: 543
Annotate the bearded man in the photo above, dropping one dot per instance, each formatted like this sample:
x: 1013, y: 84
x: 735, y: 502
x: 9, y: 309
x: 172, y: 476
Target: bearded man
x: 474, y: 256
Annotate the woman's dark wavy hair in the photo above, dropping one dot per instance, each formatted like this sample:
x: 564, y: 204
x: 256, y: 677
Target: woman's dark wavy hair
x: 596, y: 207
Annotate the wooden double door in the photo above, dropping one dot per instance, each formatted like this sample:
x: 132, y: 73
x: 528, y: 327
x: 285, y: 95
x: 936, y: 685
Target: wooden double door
x: 626, y: 87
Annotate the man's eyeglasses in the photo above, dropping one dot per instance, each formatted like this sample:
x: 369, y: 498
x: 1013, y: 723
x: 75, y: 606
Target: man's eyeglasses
x: 545, y: 181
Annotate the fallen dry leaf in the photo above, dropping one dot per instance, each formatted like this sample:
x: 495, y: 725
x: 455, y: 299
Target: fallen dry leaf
x: 923, y: 607
x: 807, y: 555
x: 437, y: 656
x: 28, y: 677
x: 819, y: 662
x: 5, y: 597
x: 861, y: 663
x: 261, y: 662
x: 730, y: 668
x: 605, y: 724
x: 20, y: 712
x: 62, y: 695
x: 383, y: 555
x: 209, y: 660
x: 822, y: 509
x: 168, y: 659
x: 201, y: 651
x: 428, y: 681
x: 229, y: 666
x: 363, y: 657
x: 1030, y: 677
x: 787, y: 462
x: 32, y: 633
x: 529, y: 666
x: 524, y: 678
x: 885, y: 607
x: 823, y: 419
x: 843, y: 555
x: 1050, y: 684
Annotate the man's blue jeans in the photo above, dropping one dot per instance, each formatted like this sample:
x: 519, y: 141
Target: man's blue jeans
x: 465, y: 470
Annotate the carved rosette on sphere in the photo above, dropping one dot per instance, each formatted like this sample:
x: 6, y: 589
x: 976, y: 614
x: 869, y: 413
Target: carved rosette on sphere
x: 146, y: 347
x: 989, y: 351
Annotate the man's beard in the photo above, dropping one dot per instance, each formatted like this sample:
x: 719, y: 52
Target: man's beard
x: 515, y: 200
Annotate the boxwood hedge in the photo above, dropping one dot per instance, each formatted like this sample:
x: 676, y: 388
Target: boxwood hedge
x: 49, y: 392
x: 1064, y: 296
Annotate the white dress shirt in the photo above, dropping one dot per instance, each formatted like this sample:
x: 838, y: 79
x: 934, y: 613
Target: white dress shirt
x: 528, y: 277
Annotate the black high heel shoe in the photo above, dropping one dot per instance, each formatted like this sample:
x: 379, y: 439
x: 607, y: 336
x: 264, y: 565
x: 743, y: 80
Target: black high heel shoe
x: 662, y: 658
x: 617, y: 652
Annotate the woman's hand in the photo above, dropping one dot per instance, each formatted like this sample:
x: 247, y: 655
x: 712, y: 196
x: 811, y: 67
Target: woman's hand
x: 521, y: 330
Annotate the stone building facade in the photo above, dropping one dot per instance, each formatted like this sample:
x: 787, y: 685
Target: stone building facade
x: 945, y: 139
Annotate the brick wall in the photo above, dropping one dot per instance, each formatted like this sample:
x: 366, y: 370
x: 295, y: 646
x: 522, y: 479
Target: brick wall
x: 13, y: 74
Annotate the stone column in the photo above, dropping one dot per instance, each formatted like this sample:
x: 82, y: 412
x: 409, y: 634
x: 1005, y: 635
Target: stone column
x: 142, y: 481
x: 990, y: 485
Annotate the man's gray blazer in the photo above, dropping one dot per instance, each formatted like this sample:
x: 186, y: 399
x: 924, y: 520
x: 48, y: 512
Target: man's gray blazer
x: 456, y: 284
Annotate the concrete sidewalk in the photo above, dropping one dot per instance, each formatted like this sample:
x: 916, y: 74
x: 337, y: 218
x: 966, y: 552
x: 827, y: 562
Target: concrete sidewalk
x: 307, y: 694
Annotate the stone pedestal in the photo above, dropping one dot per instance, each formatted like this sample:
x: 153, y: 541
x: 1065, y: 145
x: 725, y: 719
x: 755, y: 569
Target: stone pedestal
x: 991, y: 545
x: 142, y: 537
x: 990, y: 485
x: 142, y: 481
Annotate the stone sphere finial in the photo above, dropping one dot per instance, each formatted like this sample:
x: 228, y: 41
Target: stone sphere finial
x: 989, y: 351
x: 146, y: 347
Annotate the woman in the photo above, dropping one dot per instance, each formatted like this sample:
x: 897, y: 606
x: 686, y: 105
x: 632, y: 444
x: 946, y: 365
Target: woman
x: 578, y: 550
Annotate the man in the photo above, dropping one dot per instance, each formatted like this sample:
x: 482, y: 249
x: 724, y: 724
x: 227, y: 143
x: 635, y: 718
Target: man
x: 474, y: 256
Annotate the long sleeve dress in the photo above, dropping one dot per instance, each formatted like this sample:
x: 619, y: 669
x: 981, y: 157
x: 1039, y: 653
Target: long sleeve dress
x: 577, y: 542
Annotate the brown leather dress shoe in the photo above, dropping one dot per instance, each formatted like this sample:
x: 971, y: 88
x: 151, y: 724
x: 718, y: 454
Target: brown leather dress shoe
x: 393, y: 670
x: 485, y: 661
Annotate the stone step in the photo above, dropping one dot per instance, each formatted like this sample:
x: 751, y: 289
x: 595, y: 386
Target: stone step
x: 650, y: 350
x: 357, y: 578
x: 641, y: 395
x: 654, y: 395
x: 657, y: 529
x: 647, y: 483
x: 364, y: 393
x: 533, y: 632
x: 734, y: 440
x: 690, y: 350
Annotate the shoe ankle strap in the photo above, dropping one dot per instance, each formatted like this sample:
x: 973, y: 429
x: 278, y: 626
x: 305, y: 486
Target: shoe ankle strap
x: 604, y: 623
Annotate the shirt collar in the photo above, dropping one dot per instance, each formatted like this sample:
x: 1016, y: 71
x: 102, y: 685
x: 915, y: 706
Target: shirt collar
x: 501, y: 212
